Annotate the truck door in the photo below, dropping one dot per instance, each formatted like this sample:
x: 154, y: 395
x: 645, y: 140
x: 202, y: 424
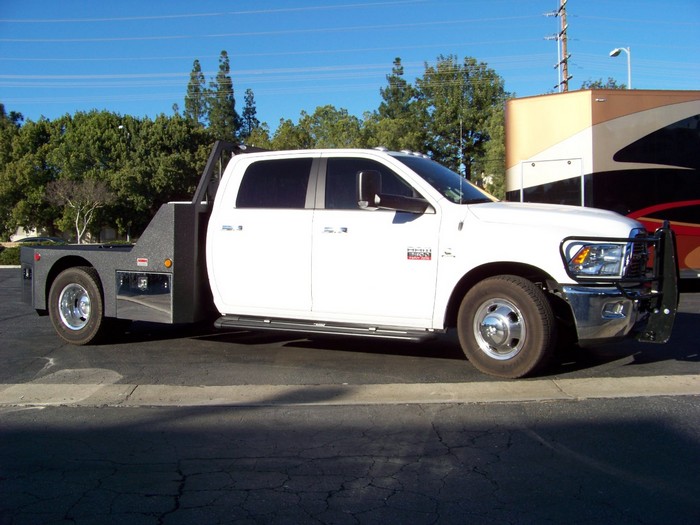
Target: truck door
x: 259, y: 247
x: 371, y: 267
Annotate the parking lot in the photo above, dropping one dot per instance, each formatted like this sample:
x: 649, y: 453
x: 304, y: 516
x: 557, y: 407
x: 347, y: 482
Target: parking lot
x: 186, y: 424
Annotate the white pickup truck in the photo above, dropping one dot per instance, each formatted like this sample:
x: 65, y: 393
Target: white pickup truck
x: 369, y: 243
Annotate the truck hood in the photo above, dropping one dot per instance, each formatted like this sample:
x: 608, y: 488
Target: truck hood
x: 574, y: 220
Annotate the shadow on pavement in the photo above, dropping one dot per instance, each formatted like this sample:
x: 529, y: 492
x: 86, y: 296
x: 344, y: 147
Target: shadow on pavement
x: 681, y: 348
x: 497, y: 463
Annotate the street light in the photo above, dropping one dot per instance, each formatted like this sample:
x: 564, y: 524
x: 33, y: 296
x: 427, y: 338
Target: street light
x: 616, y: 52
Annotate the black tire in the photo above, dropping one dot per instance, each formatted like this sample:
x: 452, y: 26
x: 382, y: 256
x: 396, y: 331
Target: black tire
x: 76, y: 306
x: 506, y: 327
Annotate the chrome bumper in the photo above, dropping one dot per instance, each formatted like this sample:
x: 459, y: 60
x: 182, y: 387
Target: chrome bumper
x: 610, y: 311
x: 601, y: 313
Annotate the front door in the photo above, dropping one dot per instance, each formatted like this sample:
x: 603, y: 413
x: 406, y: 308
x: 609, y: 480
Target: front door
x: 372, y: 267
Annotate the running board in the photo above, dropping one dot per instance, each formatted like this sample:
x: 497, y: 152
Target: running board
x: 315, y: 327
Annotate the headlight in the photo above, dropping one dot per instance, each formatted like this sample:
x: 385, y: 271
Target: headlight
x: 595, y: 259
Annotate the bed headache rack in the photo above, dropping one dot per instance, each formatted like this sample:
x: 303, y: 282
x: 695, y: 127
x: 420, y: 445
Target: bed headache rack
x: 221, y: 153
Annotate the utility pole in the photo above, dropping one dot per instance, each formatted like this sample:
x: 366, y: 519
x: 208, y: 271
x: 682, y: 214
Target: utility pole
x: 564, y: 52
x: 563, y: 55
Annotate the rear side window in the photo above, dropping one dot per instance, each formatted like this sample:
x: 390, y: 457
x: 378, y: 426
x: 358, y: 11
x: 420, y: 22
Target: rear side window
x: 280, y: 183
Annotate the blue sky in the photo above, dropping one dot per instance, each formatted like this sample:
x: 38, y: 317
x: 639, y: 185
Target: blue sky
x: 134, y: 57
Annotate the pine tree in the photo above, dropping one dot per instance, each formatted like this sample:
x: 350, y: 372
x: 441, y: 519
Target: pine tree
x: 224, y: 122
x: 196, y: 100
x: 400, y: 122
x: 460, y: 98
x: 249, y: 122
x: 398, y: 95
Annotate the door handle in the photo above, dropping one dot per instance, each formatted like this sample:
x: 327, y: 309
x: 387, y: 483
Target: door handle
x: 229, y: 228
x: 336, y: 229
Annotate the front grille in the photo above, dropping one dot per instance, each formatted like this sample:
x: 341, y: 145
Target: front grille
x: 638, y: 259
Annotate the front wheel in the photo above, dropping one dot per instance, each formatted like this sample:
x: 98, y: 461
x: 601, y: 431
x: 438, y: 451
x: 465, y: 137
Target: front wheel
x: 76, y: 307
x: 506, y: 327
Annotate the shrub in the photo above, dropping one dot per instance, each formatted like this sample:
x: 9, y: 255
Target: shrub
x: 9, y: 256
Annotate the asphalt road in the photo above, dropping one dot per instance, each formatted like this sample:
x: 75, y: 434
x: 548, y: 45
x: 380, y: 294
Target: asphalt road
x: 189, y: 425
x: 203, y: 356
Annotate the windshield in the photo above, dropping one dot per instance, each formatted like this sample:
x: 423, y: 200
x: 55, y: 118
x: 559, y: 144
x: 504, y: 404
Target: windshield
x: 455, y: 188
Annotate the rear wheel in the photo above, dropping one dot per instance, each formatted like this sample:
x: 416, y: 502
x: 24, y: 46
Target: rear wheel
x: 506, y: 327
x: 76, y: 306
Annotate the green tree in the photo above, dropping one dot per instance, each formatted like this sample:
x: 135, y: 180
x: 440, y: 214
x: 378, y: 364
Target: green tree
x: 290, y: 136
x: 196, y: 97
x: 142, y: 162
x: 459, y: 99
x: 398, y: 96
x: 600, y: 84
x: 25, y: 169
x: 9, y: 130
x: 491, y: 167
x: 260, y: 137
x: 224, y: 121
x: 328, y: 127
x: 400, y: 122
x: 249, y: 120
x: 89, y: 148
x: 13, y: 117
x: 164, y: 158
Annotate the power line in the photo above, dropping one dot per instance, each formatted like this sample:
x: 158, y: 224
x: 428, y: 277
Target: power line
x: 206, y: 15
x: 237, y: 55
x: 315, y: 30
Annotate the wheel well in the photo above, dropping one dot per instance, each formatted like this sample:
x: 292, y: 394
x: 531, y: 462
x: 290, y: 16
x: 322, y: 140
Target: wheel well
x: 70, y: 261
x: 530, y: 273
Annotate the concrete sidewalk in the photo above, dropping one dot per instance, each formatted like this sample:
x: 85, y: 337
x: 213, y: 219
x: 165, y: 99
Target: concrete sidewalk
x: 96, y: 387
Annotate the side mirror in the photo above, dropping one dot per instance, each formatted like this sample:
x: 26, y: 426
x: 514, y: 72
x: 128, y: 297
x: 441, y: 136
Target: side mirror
x: 401, y: 203
x: 370, y: 196
x: 369, y: 187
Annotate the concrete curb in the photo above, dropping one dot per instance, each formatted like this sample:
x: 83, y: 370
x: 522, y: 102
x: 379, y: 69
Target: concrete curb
x: 125, y: 395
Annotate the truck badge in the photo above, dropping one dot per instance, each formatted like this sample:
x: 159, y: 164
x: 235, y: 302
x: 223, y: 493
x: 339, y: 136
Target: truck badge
x: 419, y: 254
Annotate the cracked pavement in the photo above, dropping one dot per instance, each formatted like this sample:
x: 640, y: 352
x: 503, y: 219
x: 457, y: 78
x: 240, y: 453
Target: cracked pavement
x: 264, y: 430
x: 586, y: 461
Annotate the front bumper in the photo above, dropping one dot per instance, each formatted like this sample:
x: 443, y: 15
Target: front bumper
x: 602, y: 313
x: 616, y: 309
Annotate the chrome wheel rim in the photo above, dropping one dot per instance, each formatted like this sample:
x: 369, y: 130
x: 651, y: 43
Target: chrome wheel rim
x: 74, y: 306
x: 499, y: 329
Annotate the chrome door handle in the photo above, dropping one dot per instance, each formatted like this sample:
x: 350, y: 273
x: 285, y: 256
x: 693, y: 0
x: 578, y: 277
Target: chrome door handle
x: 229, y: 228
x: 331, y: 229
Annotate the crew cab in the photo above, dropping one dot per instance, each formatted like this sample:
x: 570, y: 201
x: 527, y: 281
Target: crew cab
x: 369, y: 243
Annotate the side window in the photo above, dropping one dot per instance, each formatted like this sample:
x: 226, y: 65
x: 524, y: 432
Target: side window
x: 341, y: 182
x: 278, y: 183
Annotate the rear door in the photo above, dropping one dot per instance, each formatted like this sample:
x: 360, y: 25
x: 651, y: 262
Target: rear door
x: 260, y: 245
